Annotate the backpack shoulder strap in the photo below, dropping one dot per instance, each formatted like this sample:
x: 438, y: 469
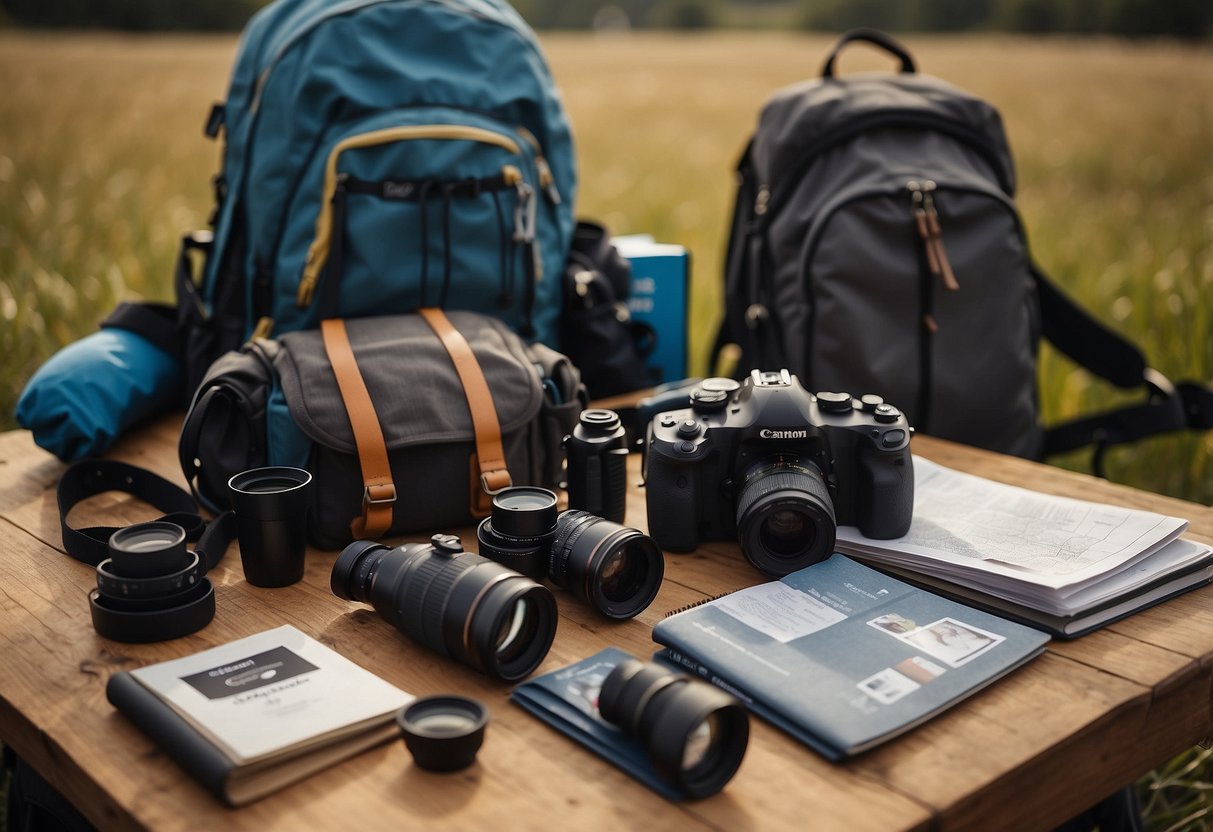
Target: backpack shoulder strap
x: 1112, y: 357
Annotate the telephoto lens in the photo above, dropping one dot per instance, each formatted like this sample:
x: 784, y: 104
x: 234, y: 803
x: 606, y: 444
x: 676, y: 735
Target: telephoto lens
x: 151, y: 588
x: 597, y: 454
x: 455, y: 603
x: 615, y: 569
x: 694, y: 734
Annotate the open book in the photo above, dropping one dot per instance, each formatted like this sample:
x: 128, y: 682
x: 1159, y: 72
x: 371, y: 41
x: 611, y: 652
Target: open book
x: 841, y: 656
x: 254, y: 715
x: 1067, y: 566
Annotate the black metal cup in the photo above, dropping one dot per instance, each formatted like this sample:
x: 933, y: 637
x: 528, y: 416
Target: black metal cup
x: 271, y: 523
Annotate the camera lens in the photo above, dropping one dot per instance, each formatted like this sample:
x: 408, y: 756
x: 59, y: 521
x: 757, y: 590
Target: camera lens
x: 597, y: 452
x: 151, y: 588
x: 148, y: 549
x: 785, y: 518
x: 615, y: 569
x: 695, y: 735
x: 454, y: 602
x: 519, y: 531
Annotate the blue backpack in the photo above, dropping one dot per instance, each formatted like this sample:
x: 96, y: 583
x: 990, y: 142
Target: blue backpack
x: 383, y: 155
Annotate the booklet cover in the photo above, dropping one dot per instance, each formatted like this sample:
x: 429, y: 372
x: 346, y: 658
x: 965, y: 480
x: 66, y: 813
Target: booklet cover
x: 844, y: 657
x: 253, y: 715
x: 659, y: 296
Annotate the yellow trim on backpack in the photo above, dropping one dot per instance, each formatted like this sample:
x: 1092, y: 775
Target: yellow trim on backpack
x: 318, y: 252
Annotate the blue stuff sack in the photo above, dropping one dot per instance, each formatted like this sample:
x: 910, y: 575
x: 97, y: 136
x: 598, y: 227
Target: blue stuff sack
x: 93, y: 390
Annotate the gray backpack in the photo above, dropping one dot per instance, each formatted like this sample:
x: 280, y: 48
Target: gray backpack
x: 876, y: 248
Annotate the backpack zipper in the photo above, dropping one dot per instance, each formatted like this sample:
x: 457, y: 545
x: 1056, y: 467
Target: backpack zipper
x: 926, y: 220
x: 547, y: 181
x: 318, y: 252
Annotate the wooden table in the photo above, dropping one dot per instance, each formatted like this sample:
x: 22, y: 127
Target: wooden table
x: 1082, y: 720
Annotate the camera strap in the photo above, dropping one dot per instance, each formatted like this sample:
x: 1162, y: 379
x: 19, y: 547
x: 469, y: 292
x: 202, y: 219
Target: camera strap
x: 91, y: 477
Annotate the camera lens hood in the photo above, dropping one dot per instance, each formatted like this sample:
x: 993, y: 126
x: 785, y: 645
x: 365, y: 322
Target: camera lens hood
x: 142, y: 622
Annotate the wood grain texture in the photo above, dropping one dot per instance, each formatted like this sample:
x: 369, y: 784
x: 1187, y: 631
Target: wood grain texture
x: 1028, y: 752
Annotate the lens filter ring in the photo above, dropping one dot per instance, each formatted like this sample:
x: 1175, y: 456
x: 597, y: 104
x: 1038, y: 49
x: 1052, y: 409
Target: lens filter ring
x: 114, y: 585
x: 147, y: 550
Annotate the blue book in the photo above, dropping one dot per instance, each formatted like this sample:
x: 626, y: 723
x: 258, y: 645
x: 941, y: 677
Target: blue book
x: 841, y: 656
x: 661, y: 274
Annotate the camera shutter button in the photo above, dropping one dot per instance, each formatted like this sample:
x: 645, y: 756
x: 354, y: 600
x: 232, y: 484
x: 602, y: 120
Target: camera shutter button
x: 886, y: 413
x: 870, y: 402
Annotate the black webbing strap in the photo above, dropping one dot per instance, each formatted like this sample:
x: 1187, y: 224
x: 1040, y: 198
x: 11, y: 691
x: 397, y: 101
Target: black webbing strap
x: 91, y: 477
x: 1110, y: 356
x: 157, y: 322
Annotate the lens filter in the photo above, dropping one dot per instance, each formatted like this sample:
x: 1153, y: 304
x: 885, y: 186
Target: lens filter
x: 443, y: 732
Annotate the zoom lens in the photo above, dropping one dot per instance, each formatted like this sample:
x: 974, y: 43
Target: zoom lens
x: 785, y: 517
x: 615, y: 569
x: 151, y: 588
x: 695, y: 735
x: 455, y: 603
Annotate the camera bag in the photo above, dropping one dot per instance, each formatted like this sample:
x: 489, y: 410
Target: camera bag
x: 876, y: 248
x: 406, y: 422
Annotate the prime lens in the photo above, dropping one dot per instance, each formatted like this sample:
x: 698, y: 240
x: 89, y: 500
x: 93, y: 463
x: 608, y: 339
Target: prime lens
x: 615, y: 569
x: 785, y: 517
x: 455, y: 603
x: 519, y: 531
x: 695, y: 735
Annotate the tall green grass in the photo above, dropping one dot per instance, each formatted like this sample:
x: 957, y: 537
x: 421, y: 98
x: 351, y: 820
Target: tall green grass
x: 103, y: 164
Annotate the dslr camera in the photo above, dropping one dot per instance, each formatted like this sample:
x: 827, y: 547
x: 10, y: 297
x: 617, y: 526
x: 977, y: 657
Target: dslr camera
x: 768, y: 464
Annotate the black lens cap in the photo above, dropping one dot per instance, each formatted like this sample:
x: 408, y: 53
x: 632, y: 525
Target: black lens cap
x: 146, y: 550
x: 524, y: 511
x: 443, y: 732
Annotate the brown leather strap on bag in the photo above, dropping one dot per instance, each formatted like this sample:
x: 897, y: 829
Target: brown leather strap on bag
x: 489, y: 458
x: 379, y: 492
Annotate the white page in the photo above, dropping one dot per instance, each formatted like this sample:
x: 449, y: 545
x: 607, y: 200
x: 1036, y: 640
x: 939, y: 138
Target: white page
x: 253, y: 704
x: 980, y: 525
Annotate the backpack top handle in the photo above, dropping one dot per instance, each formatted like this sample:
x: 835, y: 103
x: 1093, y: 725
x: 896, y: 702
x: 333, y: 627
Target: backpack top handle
x: 874, y: 37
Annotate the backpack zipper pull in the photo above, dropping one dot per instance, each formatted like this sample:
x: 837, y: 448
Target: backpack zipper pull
x: 919, y: 212
x: 936, y: 238
x: 525, y: 217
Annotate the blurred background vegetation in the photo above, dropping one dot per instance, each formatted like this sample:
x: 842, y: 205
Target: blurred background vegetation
x: 103, y: 165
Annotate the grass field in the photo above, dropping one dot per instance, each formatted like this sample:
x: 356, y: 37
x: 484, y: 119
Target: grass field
x: 103, y: 164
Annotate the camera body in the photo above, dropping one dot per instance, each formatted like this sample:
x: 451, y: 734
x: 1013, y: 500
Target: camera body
x: 777, y: 468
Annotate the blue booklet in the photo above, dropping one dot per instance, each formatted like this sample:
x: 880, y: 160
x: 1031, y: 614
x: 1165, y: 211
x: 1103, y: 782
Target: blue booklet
x: 841, y: 656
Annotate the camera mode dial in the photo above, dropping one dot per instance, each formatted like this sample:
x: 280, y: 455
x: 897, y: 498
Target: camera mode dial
x: 834, y: 402
x: 870, y: 401
x: 709, y: 401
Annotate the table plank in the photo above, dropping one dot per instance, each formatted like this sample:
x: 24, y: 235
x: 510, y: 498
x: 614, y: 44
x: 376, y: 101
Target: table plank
x: 1082, y: 720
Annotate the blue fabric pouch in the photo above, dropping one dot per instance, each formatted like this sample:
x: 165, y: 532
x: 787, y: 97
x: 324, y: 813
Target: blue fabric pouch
x: 92, y: 391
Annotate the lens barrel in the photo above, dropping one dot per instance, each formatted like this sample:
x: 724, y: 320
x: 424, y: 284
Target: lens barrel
x: 615, y: 569
x: 455, y: 603
x: 519, y: 532
x: 597, y: 454
x: 151, y: 588
x: 785, y: 517
x: 695, y: 735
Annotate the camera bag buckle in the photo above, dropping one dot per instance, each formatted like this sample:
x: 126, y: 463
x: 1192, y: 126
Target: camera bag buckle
x: 379, y: 494
x: 494, y: 482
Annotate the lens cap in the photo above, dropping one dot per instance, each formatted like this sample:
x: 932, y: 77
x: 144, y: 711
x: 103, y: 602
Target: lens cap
x: 524, y: 511
x: 148, y: 549
x: 443, y: 732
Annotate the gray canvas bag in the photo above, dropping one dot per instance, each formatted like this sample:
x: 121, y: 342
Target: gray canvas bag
x: 876, y: 248
x: 280, y: 402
